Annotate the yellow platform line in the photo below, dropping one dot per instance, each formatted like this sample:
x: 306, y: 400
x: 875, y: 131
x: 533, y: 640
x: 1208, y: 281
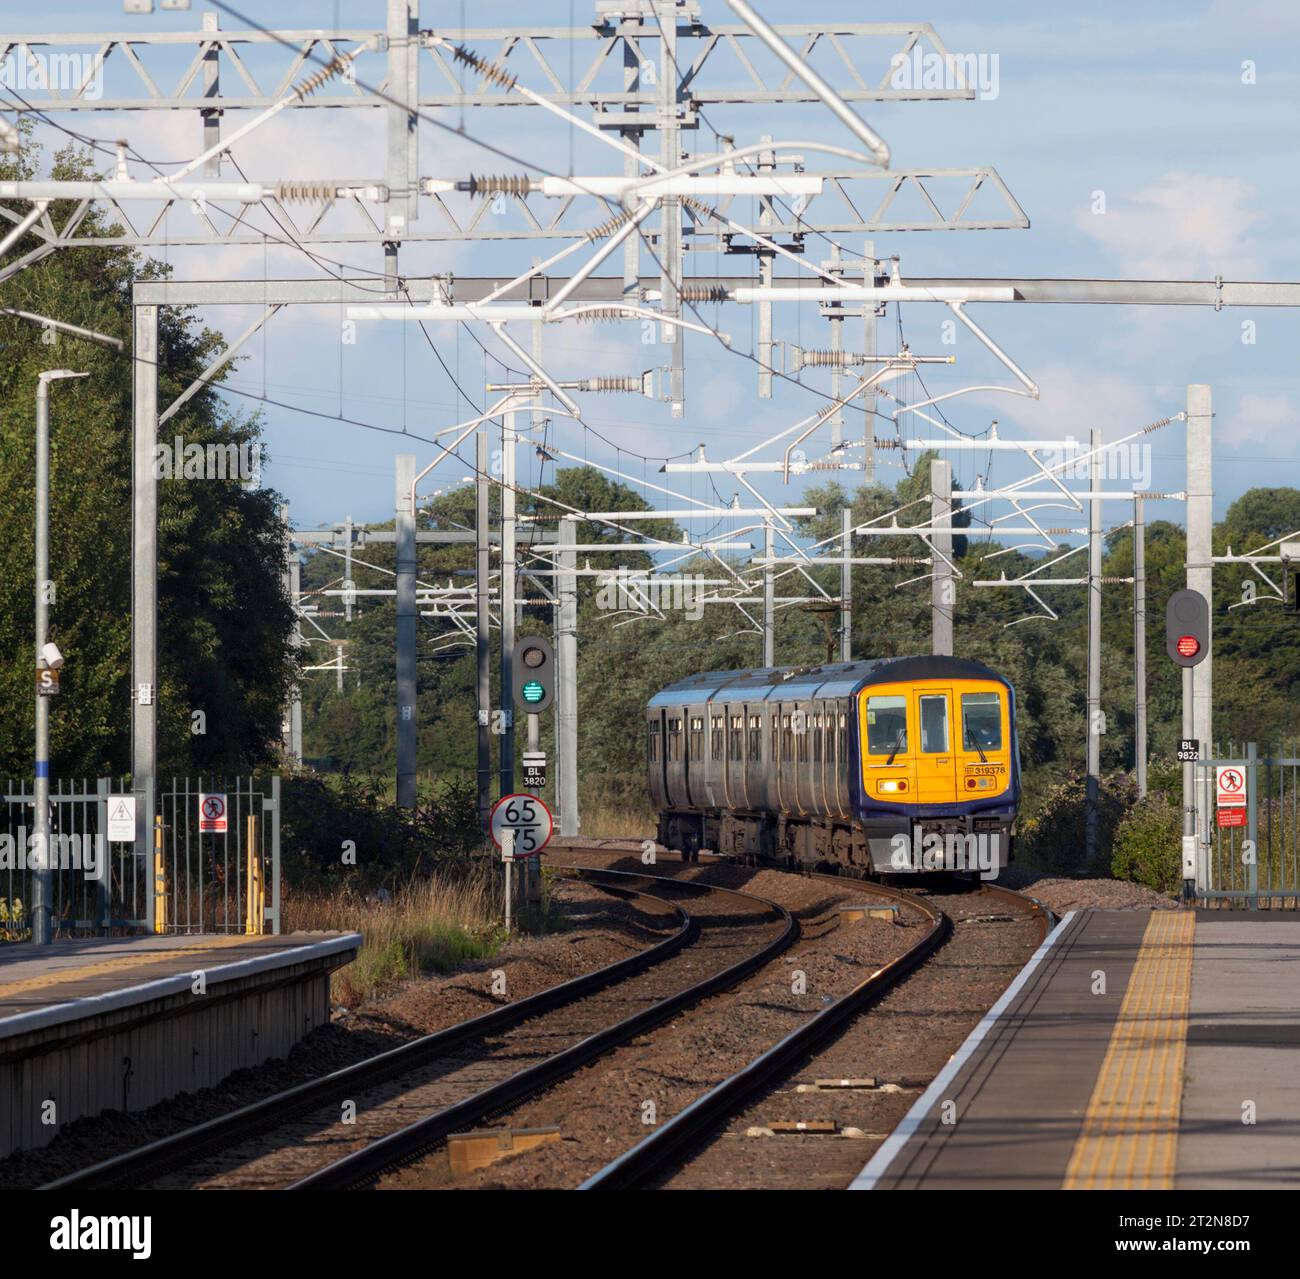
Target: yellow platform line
x: 59, y: 976
x: 1129, y: 1139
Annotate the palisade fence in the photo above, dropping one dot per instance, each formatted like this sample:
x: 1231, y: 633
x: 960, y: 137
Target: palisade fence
x: 192, y: 878
x: 1256, y: 864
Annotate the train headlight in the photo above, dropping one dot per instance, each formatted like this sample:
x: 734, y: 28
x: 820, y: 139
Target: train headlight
x: 889, y: 788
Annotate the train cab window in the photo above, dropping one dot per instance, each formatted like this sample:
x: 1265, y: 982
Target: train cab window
x: 697, y: 737
x: 787, y: 739
x: 755, y: 738
x: 934, y: 724
x: 674, y: 739
x: 654, y: 743
x: 737, y: 724
x: 887, y: 725
x: 817, y: 739
x: 981, y: 721
x: 717, y: 745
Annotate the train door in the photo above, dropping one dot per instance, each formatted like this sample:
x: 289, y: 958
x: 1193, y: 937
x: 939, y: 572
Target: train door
x: 695, y: 759
x: 889, y: 735
x: 936, y: 752
x: 655, y: 753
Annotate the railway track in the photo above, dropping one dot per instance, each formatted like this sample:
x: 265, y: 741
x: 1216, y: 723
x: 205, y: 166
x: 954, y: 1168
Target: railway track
x: 457, y: 1077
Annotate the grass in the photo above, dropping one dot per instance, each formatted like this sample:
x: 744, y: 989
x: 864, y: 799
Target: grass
x: 431, y: 925
x: 616, y: 806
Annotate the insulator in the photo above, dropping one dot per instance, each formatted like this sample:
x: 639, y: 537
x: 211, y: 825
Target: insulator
x: 888, y: 444
x: 698, y: 206
x: 326, y: 73
x: 832, y: 359
x: 703, y: 293
x: 614, y: 384
x: 489, y: 184
x: 607, y: 227
x: 294, y: 190
x: 488, y: 70
x: 601, y: 313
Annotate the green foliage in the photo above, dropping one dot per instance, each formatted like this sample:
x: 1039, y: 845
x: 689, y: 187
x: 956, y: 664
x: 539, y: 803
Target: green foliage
x: 224, y: 617
x: 392, y: 845
x: 1148, y: 844
x: 1055, y: 839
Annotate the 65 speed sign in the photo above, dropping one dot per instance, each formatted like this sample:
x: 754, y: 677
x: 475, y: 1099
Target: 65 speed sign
x: 530, y: 820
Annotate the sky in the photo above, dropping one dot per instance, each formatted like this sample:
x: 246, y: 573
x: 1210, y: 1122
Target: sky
x: 1142, y: 140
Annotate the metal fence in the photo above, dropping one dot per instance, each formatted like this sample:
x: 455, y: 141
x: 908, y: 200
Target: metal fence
x: 189, y: 880
x: 1255, y: 864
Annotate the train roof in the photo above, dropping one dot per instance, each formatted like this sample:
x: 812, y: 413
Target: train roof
x: 803, y: 683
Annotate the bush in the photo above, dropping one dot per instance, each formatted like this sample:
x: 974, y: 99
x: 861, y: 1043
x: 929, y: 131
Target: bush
x: 1055, y: 839
x: 393, y: 845
x: 1148, y: 845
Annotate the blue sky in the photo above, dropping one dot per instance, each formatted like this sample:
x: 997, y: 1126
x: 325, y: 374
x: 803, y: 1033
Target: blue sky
x: 1144, y: 102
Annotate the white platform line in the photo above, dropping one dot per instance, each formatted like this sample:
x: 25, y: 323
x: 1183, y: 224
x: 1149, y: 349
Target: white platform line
x: 880, y: 1161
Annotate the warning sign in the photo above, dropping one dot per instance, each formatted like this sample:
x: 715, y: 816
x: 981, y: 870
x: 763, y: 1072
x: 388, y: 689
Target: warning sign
x: 1231, y: 817
x: 1230, y: 784
x: 121, y: 819
x: 212, y: 814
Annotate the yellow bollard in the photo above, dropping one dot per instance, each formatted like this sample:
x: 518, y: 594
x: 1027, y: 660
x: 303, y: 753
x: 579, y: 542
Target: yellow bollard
x: 255, y: 915
x: 159, y: 879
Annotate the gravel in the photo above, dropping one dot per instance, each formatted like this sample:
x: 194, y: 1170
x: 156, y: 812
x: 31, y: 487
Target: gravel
x: 1061, y: 895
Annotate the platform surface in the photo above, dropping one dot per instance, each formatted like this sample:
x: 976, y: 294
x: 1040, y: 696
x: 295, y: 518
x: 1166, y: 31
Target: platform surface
x: 1136, y: 1050
x: 33, y: 978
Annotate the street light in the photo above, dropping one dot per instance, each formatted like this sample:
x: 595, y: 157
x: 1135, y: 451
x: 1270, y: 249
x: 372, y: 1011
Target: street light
x: 46, y: 662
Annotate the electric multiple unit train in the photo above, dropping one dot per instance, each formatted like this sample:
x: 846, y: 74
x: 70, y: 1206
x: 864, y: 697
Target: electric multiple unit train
x: 893, y: 766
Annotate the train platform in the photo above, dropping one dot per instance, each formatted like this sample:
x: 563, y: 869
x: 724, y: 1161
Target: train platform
x: 95, y: 1024
x: 1135, y: 1051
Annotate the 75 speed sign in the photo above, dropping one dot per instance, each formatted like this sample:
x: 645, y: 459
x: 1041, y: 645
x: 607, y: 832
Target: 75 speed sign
x: 530, y: 820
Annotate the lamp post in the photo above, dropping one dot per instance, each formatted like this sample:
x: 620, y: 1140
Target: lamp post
x: 48, y: 658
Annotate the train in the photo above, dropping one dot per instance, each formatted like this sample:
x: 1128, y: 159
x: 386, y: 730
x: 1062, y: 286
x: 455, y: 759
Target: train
x: 901, y: 765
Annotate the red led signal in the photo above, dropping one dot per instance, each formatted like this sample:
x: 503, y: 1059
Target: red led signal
x: 1188, y: 646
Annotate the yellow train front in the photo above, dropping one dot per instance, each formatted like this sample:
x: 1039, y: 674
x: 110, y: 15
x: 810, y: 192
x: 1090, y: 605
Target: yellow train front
x: 902, y: 765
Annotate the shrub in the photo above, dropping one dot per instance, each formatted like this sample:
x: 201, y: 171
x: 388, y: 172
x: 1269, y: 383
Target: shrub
x: 1056, y: 838
x: 1148, y: 845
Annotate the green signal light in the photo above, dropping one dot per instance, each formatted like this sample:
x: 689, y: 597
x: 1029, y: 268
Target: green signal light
x: 533, y: 691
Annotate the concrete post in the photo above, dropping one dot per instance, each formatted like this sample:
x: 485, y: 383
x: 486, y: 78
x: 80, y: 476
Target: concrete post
x: 769, y: 597
x: 1093, y: 794
x: 942, y: 588
x: 1200, y: 569
x: 43, y: 880
x: 566, y: 660
x: 846, y: 587
x: 1140, y: 643
x: 482, y: 632
x: 144, y: 583
x: 404, y: 522
x: 508, y: 560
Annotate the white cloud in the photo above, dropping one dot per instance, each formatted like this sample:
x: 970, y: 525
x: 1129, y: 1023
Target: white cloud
x: 1259, y: 418
x: 1184, y: 226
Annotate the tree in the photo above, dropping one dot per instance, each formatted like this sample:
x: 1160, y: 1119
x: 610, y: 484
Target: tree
x: 225, y: 620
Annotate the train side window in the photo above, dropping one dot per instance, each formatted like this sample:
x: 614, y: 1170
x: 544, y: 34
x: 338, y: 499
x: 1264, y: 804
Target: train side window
x: 886, y: 725
x: 718, y: 744
x: 697, y: 737
x: 817, y: 739
x: 736, y: 726
x: 981, y: 721
x: 802, y: 738
x: 755, y: 738
x: 774, y: 746
x: 934, y: 724
x: 844, y: 737
x: 787, y: 739
x: 674, y: 739
x: 654, y: 743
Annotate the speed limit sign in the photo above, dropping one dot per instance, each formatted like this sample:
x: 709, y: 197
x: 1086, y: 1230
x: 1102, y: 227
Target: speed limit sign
x: 528, y: 818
